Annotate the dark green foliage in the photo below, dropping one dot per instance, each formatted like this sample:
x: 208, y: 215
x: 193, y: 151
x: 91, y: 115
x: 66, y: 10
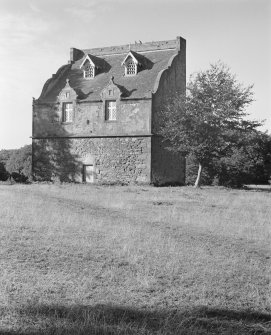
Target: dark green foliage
x: 19, y: 164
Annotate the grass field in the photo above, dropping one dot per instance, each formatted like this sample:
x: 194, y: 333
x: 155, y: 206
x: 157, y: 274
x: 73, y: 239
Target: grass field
x: 79, y: 259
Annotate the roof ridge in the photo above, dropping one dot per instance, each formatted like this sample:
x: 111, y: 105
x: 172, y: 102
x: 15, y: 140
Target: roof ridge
x: 139, y: 47
x: 138, y: 52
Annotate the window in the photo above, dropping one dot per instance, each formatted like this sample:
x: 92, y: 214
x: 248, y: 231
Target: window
x: 67, y: 112
x: 110, y: 111
x: 131, y: 64
x: 131, y: 68
x: 89, y: 66
x: 89, y: 71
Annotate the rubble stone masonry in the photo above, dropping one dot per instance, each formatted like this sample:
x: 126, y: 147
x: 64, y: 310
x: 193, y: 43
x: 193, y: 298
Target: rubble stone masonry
x: 115, y: 159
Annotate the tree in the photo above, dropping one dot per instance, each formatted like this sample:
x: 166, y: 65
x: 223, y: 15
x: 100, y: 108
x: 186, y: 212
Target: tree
x: 20, y: 163
x: 4, y: 157
x: 210, y: 118
x: 3, y: 172
x: 248, y: 162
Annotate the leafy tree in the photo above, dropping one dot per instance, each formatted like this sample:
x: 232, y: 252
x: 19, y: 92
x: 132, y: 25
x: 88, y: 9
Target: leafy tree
x: 4, y: 157
x: 249, y: 161
x: 210, y: 118
x: 208, y: 174
x: 3, y: 172
x: 19, y: 163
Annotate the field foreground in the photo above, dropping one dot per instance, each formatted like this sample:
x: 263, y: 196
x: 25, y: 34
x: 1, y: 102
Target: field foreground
x: 79, y: 259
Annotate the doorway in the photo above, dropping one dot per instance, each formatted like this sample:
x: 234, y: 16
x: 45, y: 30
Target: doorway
x: 88, y: 174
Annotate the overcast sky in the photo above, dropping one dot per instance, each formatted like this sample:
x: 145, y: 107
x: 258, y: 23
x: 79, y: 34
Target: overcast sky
x: 36, y: 36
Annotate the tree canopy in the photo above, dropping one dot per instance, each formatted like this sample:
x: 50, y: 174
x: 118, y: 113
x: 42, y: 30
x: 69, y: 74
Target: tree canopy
x: 210, y: 119
x: 20, y: 163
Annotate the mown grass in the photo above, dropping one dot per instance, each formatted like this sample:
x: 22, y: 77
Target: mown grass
x: 80, y: 259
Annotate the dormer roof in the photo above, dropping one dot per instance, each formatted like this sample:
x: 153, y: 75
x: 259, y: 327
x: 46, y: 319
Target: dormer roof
x: 134, y: 57
x: 90, y: 59
x: 67, y: 93
x: 111, y: 91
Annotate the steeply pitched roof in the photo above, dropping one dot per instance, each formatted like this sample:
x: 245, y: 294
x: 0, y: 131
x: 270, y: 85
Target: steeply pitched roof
x: 154, y: 58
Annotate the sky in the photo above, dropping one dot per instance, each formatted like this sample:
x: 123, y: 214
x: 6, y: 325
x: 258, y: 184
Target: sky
x: 36, y: 37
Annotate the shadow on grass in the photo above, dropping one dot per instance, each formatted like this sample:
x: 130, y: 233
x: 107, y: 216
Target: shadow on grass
x: 113, y: 320
x: 258, y: 188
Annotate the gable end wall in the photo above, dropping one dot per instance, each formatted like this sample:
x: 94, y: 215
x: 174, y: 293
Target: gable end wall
x: 168, y: 167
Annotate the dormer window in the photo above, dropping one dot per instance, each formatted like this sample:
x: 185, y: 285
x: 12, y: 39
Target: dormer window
x: 89, y: 71
x: 131, y: 68
x: 89, y: 67
x: 131, y: 64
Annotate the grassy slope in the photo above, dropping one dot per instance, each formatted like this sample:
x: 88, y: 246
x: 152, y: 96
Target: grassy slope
x: 77, y: 259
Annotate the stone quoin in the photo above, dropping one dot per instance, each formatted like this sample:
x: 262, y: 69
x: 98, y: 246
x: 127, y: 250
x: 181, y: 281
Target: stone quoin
x: 96, y: 118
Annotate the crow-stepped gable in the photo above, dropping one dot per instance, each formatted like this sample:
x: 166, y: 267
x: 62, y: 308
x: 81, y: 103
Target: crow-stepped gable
x: 96, y: 118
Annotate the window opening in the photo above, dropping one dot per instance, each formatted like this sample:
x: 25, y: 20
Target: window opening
x: 67, y: 112
x: 89, y: 71
x: 131, y: 68
x: 110, y: 111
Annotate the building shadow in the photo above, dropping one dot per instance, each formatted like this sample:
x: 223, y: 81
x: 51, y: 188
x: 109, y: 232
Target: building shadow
x: 111, y: 320
x: 126, y: 93
x: 53, y: 158
x: 145, y: 62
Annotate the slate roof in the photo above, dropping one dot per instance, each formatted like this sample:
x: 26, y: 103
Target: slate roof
x: 133, y: 87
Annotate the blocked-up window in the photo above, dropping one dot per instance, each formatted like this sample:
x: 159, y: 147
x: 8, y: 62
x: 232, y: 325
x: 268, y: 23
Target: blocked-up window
x: 110, y: 111
x: 67, y: 112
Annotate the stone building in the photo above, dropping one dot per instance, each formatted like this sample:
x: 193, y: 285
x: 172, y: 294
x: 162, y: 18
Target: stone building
x: 96, y: 118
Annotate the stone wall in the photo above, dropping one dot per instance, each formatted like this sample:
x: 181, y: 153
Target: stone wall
x: 133, y: 118
x: 168, y: 167
x: 115, y: 159
x: 170, y: 82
